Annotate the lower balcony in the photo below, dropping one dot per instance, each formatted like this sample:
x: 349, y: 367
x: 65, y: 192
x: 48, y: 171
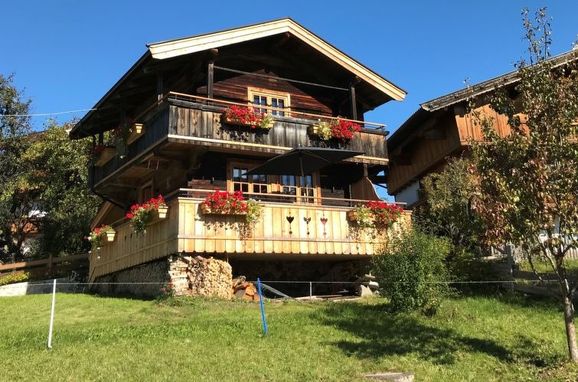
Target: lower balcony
x: 306, y: 231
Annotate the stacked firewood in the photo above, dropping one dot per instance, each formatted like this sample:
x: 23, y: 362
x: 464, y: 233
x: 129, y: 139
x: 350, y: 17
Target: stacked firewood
x: 245, y: 290
x: 199, y: 276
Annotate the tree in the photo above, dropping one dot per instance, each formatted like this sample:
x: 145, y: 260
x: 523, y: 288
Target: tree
x: 14, y: 128
x: 529, y: 180
x: 446, y: 208
x: 43, y: 178
x: 57, y: 169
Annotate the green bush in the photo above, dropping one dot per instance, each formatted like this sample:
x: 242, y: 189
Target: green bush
x: 11, y: 278
x: 410, y: 269
x: 464, y: 266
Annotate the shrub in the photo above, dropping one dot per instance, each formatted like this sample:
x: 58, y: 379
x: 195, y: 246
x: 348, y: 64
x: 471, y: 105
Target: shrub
x: 11, y: 278
x: 409, y: 269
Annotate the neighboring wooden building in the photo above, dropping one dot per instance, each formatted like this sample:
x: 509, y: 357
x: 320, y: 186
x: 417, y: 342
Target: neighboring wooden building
x: 443, y: 128
x: 178, y: 90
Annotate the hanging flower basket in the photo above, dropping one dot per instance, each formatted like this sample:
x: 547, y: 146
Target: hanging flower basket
x: 135, y: 132
x: 110, y: 234
x: 140, y: 215
x: 224, y: 203
x: 162, y: 211
x: 101, y: 234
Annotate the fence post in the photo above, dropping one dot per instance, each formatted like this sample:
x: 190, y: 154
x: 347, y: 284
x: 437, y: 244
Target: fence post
x: 265, y: 329
x: 52, y: 315
x: 310, y: 290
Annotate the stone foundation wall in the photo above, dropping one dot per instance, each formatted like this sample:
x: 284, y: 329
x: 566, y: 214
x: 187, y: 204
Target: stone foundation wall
x: 153, y: 275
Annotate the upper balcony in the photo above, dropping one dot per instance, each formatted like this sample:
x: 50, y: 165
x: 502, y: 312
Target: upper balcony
x: 179, y: 121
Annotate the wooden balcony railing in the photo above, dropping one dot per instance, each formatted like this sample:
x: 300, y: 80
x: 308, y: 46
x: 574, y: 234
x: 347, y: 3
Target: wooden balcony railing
x: 315, y: 231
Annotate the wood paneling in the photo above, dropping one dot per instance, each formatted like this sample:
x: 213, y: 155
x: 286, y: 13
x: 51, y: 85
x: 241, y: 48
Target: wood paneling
x: 469, y: 130
x: 185, y: 229
x: 422, y: 154
x: 235, y: 89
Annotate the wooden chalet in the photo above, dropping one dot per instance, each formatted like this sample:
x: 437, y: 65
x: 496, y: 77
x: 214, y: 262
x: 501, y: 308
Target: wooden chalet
x: 443, y: 128
x: 171, y: 104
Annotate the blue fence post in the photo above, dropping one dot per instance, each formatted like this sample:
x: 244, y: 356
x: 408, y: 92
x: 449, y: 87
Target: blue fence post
x: 265, y: 329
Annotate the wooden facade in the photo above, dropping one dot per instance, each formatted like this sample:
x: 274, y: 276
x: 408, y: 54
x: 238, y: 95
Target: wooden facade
x: 186, y: 229
x: 177, y: 95
x: 443, y: 128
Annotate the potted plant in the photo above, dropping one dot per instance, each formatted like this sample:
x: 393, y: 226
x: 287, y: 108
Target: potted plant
x: 375, y: 214
x: 246, y: 116
x: 140, y: 215
x: 254, y: 212
x: 384, y: 214
x: 340, y: 129
x: 321, y: 129
x: 344, y: 130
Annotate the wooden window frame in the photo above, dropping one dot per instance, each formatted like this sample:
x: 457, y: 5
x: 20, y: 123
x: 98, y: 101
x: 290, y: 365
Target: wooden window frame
x: 274, y: 185
x: 243, y: 163
x: 268, y: 93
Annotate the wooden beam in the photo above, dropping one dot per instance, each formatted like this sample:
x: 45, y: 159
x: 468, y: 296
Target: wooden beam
x: 160, y: 87
x: 210, y: 78
x: 353, y: 101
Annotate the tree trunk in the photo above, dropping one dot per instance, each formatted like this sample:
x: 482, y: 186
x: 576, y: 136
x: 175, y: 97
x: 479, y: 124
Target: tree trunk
x: 570, y: 328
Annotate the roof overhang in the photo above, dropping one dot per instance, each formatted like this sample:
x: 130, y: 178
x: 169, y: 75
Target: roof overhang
x: 174, y: 48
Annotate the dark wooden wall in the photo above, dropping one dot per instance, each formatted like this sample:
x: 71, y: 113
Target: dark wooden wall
x: 235, y: 89
x: 423, y: 153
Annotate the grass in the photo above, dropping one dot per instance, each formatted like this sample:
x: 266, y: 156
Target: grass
x: 543, y: 266
x: 106, y: 339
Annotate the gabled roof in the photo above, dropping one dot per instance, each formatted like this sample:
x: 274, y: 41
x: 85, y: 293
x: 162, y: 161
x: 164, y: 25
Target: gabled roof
x: 429, y: 108
x: 166, y: 52
x: 489, y: 85
x: 193, y: 44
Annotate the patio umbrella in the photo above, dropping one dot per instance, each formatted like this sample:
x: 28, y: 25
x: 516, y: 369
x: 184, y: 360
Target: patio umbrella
x: 302, y: 161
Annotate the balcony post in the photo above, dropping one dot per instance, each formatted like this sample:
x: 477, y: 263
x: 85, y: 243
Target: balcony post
x: 160, y: 86
x: 210, y: 79
x: 353, y: 98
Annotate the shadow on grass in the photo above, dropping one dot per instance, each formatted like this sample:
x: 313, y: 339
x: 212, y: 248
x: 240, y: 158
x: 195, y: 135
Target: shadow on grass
x: 380, y: 334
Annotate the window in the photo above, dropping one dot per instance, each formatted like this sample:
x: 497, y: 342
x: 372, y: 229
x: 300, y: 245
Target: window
x: 300, y: 186
x: 247, y: 184
x: 269, y: 101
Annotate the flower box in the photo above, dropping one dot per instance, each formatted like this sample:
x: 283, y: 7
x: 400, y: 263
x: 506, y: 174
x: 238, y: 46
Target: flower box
x: 247, y: 117
x: 105, y: 155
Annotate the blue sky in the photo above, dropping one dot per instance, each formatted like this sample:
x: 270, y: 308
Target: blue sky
x: 67, y: 54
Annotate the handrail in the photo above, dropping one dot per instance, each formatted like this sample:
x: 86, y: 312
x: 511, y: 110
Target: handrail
x: 176, y: 193
x: 320, y: 198
x: 377, y: 126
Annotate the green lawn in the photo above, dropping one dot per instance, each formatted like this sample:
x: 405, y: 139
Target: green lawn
x: 107, y: 339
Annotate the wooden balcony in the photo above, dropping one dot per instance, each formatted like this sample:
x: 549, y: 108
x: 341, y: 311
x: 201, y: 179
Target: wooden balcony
x: 193, y: 120
x: 186, y: 229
